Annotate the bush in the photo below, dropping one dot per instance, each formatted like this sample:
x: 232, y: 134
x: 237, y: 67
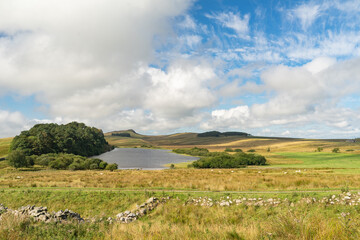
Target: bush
x: 198, y: 152
x: 225, y: 160
x: 229, y: 150
x: 112, y: 167
x: 69, y: 161
x: 251, y: 150
x: 17, y: 159
x: 336, y: 150
x: 319, y: 149
x: 103, y: 165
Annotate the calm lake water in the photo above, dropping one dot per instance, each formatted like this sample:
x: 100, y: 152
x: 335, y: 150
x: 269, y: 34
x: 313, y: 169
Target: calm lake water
x: 128, y: 158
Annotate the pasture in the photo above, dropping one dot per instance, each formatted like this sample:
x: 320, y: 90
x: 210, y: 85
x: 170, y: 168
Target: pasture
x: 295, y: 172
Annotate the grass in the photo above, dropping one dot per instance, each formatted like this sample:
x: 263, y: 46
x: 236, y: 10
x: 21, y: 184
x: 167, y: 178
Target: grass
x: 4, y: 146
x: 88, y: 203
x: 320, y: 160
x: 295, y: 171
x: 251, y: 179
x: 176, y: 220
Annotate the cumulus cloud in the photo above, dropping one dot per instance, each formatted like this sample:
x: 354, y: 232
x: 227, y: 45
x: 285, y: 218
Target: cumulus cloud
x: 89, y: 59
x: 181, y: 90
x: 299, y: 96
x: 11, y: 123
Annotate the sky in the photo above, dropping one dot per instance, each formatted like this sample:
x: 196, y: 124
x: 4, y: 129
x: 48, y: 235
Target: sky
x: 267, y: 67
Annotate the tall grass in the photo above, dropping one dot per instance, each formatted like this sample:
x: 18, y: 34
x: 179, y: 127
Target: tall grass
x: 194, y: 179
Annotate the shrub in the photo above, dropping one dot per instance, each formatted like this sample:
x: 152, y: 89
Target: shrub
x: 229, y: 150
x: 94, y: 166
x: 195, y: 151
x: 251, y: 150
x: 319, y: 149
x: 336, y: 150
x: 103, y: 165
x: 69, y: 161
x: 225, y: 160
x: 112, y: 167
x: 17, y: 159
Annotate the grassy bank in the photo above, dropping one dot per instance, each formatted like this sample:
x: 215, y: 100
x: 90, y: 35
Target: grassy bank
x: 178, y: 220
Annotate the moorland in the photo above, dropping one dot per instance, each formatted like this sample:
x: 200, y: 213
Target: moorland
x: 316, y: 191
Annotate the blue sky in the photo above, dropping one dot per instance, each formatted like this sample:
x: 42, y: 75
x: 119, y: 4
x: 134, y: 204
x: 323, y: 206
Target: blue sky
x: 270, y: 68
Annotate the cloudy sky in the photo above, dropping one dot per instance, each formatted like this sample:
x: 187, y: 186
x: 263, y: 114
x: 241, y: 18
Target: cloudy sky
x: 266, y: 67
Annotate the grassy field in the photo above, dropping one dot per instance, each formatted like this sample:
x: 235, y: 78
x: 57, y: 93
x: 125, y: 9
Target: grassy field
x: 4, y: 146
x: 294, y: 171
x: 320, y: 160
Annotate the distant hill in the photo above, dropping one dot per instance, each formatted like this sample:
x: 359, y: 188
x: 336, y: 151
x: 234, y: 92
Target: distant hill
x: 225, y: 134
x: 124, y: 133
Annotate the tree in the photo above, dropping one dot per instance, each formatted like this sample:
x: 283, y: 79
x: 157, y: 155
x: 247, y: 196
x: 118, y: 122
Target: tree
x: 17, y: 159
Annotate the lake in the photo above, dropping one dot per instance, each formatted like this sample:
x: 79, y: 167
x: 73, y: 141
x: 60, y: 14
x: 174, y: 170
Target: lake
x: 129, y: 158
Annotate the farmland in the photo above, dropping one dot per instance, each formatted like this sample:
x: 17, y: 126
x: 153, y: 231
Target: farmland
x: 294, y: 172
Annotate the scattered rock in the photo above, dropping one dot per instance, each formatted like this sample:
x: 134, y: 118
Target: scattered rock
x: 41, y: 214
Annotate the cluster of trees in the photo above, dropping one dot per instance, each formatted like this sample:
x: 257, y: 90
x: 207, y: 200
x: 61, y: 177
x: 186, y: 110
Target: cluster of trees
x: 225, y: 134
x: 75, y: 138
x: 225, y: 160
x: 198, y: 152
x: 221, y: 159
x: 59, y: 161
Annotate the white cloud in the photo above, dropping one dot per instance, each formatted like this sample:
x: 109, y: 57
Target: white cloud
x: 307, y: 14
x: 307, y: 95
x: 234, y: 21
x: 181, y: 90
x: 188, y: 23
x: 88, y: 60
x: 11, y: 123
x: 233, y: 118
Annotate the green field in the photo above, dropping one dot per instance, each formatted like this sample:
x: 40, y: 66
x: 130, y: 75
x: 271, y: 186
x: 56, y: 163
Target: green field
x: 294, y: 172
x: 4, y: 146
x: 320, y: 160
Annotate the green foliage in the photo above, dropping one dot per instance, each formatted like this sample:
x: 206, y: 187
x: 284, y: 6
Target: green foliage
x: 18, y: 159
x: 68, y: 161
x: 225, y: 160
x: 336, y: 150
x: 229, y: 150
x: 319, y: 149
x: 75, y: 138
x: 112, y: 167
x: 251, y: 150
x: 192, y: 151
